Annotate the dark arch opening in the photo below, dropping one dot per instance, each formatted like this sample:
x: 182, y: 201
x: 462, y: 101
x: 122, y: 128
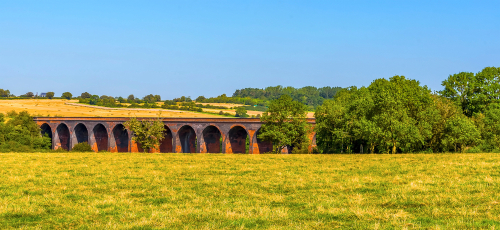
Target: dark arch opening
x: 264, y: 146
x: 121, y: 138
x: 101, y: 137
x: 166, y: 144
x: 47, y: 130
x: 63, y: 134
x: 187, y: 137
x: 238, y: 139
x: 211, y: 137
x: 81, y: 133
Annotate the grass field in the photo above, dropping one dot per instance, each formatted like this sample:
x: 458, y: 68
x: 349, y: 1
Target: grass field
x: 58, y: 107
x: 213, y: 191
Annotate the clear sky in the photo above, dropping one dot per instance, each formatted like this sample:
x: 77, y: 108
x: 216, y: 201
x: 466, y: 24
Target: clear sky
x: 192, y: 48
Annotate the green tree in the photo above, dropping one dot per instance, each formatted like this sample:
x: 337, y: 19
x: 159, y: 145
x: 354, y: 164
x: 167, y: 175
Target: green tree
x: 29, y: 94
x: 131, y: 98
x: 447, y: 110
x: 50, y: 95
x: 169, y: 102
x: 390, y: 115
x: 473, y: 92
x: 285, y: 124
x: 489, y: 126
x: 94, y: 100
x: 150, y: 98
x: 148, y: 133
x: 241, y: 112
x: 4, y: 93
x: 404, y: 111
x: 85, y: 95
x: 200, y: 99
x: 21, y: 134
x: 67, y: 95
x: 460, y: 133
x: 345, y: 119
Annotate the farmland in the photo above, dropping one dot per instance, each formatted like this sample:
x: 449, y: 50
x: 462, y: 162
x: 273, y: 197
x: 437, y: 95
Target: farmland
x: 70, y: 108
x: 60, y: 108
x: 212, y: 191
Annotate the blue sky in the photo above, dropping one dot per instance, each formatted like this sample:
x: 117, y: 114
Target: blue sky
x: 192, y: 48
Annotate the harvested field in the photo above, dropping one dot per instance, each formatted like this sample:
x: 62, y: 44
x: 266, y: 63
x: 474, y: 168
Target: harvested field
x: 215, y: 191
x: 58, y: 107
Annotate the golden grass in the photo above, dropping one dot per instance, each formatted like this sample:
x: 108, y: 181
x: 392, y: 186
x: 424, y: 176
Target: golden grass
x: 215, y: 191
x: 58, y: 107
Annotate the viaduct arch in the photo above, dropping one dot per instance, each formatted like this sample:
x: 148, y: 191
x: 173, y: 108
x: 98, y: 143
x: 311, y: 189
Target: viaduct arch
x: 182, y: 135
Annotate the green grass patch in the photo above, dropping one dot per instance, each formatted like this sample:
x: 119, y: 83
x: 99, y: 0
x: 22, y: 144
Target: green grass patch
x: 214, y: 191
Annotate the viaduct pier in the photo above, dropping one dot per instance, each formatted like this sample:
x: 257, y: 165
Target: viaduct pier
x: 182, y: 135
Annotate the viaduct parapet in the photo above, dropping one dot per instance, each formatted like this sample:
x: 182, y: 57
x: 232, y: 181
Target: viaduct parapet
x: 182, y: 135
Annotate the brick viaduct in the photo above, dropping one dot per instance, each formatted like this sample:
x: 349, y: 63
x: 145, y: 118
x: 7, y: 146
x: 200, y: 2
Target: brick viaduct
x: 182, y: 135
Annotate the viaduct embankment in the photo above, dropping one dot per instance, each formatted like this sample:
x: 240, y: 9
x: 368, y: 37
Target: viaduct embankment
x: 182, y: 135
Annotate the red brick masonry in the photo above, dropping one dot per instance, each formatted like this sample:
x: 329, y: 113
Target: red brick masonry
x: 182, y: 135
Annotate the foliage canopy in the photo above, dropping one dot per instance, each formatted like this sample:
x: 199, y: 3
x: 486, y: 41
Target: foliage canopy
x: 285, y: 124
x: 148, y: 133
x: 392, y: 116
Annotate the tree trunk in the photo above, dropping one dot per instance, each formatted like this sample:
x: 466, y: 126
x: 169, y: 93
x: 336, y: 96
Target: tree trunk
x: 393, y: 147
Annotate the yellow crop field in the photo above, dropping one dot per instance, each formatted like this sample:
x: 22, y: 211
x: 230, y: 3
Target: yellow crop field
x: 70, y: 108
x: 216, y: 191
x: 59, y: 107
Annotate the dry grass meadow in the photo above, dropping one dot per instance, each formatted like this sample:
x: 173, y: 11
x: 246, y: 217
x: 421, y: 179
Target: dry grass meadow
x: 215, y: 191
x: 59, y: 108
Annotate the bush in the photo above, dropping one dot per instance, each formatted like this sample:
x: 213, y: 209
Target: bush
x: 60, y: 150
x: 21, y: 134
x: 82, y: 147
x: 476, y: 149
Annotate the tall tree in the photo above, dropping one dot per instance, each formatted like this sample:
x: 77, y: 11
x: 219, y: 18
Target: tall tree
x: 131, y: 98
x: 241, y: 112
x: 200, y: 99
x: 392, y: 115
x: 149, y: 98
x: 148, y: 133
x: 460, y: 132
x: 86, y: 95
x: 473, y: 92
x: 285, y: 124
x: 94, y: 100
x: 4, y: 93
x: 489, y: 125
x: 67, y: 95
x: 50, y: 95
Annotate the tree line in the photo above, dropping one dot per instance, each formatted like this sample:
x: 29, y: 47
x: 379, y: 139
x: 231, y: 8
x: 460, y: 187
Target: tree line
x: 401, y: 116
x: 309, y: 95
